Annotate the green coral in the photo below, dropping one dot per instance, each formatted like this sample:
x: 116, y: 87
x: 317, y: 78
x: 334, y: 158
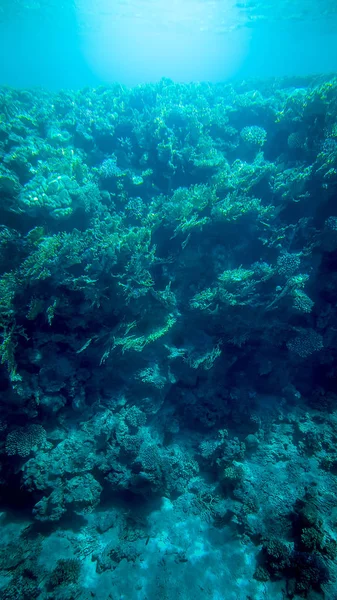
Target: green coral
x: 41, y: 263
x: 8, y: 343
x: 254, y: 136
x: 235, y: 277
x: 8, y: 288
x: 204, y: 300
x: 236, y: 207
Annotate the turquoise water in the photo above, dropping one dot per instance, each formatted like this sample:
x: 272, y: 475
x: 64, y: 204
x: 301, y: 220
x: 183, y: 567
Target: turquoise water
x: 168, y: 294
x: 86, y: 43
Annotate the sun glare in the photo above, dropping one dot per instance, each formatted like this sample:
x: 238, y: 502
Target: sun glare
x: 143, y: 41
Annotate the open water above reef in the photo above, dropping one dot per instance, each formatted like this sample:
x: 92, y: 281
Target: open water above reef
x: 87, y: 43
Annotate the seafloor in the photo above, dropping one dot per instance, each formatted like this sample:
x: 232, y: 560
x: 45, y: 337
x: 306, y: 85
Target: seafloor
x: 168, y: 328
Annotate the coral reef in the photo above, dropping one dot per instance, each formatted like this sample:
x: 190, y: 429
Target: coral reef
x: 168, y: 341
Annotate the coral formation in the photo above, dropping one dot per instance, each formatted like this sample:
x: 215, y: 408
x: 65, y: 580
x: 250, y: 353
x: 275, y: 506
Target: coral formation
x: 168, y: 341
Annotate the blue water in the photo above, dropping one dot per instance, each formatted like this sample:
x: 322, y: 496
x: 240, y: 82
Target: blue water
x: 85, y: 43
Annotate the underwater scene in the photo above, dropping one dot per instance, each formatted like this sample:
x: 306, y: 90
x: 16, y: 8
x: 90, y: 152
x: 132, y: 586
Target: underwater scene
x: 168, y: 300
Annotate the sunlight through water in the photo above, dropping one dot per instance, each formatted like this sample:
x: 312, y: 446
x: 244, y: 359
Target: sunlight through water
x: 146, y: 40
